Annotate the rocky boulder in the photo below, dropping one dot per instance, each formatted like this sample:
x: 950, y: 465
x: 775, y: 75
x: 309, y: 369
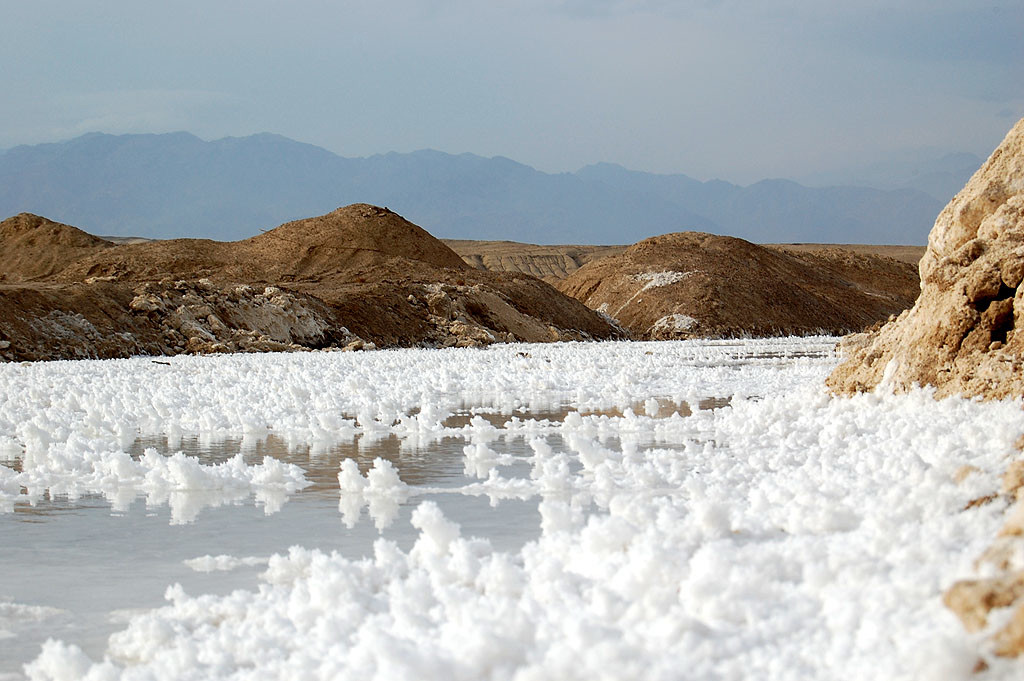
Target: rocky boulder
x: 961, y: 335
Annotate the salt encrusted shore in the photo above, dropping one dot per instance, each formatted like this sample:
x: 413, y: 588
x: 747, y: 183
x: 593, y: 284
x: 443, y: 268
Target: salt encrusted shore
x: 789, y: 534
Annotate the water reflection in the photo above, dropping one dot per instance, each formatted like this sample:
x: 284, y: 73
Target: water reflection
x: 189, y: 474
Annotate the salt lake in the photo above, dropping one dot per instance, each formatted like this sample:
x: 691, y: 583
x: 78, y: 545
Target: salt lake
x: 699, y: 509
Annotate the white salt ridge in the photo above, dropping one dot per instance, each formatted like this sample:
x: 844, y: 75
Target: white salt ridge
x: 653, y: 280
x: 660, y: 279
x: 789, y: 536
x: 325, y: 398
x: 674, y: 322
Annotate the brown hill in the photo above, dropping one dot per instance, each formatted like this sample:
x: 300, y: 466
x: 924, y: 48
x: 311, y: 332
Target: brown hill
x: 554, y: 263
x: 350, y: 238
x: 32, y: 247
x: 692, y: 284
x: 358, y: 275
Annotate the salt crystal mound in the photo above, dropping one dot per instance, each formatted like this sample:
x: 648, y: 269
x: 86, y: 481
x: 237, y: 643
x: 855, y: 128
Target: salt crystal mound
x: 327, y: 398
x: 71, y: 423
x: 792, y: 536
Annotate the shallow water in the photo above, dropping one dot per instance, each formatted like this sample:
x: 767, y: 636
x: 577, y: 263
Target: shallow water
x: 94, y: 564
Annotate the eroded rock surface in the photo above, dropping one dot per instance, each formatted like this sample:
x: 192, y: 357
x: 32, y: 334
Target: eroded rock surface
x: 962, y: 333
x: 963, y: 337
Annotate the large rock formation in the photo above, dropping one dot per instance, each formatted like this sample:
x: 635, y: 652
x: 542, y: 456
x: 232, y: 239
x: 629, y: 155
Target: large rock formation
x: 961, y: 336
x: 357, y: 277
x: 692, y: 284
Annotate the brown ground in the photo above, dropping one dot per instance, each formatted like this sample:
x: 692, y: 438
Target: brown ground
x: 358, y: 275
x: 907, y: 254
x: 550, y: 263
x: 691, y: 284
x: 554, y: 263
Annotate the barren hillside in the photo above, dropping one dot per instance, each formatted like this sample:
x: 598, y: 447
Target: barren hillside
x: 553, y: 263
x: 692, y: 284
x: 357, y: 276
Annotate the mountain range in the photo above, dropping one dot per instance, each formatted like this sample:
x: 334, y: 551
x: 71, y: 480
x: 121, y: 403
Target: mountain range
x: 178, y: 185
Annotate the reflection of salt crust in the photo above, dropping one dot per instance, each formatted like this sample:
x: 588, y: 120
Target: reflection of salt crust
x: 381, y: 491
x: 223, y: 563
x: 794, y: 535
x: 14, y: 616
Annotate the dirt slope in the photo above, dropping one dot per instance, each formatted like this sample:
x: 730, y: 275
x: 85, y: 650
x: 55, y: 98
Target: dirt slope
x: 32, y: 247
x: 692, y: 284
x: 356, y: 276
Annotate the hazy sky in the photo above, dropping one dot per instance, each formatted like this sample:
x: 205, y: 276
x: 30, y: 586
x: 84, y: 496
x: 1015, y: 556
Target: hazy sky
x: 738, y: 89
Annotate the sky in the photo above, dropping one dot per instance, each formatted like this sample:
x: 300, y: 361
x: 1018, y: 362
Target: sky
x: 734, y: 89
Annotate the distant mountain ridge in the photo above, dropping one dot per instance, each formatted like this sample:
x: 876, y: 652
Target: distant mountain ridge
x: 175, y: 185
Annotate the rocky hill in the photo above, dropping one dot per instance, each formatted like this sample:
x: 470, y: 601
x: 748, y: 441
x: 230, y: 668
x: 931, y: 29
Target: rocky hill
x: 360, y: 275
x: 692, y: 284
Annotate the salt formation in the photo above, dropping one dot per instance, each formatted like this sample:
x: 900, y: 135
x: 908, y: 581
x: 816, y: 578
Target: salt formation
x: 788, y: 535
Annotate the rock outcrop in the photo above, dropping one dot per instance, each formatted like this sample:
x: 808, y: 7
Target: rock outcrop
x: 961, y: 335
x: 356, y: 278
x: 691, y: 284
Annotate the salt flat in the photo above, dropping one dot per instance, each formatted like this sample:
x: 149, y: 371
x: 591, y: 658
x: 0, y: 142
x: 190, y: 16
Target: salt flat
x: 777, y: 533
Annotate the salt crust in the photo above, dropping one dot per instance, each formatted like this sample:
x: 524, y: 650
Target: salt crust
x: 659, y: 279
x: 674, y: 322
x: 791, y: 535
